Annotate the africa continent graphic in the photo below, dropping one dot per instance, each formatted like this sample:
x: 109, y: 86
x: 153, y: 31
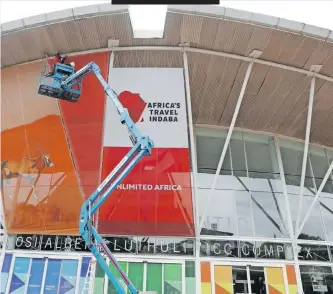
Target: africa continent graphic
x: 134, y: 104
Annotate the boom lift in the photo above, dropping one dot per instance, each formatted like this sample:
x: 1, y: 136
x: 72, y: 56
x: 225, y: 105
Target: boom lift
x: 66, y: 85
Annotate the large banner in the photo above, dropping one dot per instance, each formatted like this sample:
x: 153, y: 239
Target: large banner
x: 155, y: 198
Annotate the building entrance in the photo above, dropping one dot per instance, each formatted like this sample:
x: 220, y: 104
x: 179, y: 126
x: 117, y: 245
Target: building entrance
x: 249, y: 279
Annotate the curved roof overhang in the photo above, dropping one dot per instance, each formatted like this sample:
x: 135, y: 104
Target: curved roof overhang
x: 219, y: 42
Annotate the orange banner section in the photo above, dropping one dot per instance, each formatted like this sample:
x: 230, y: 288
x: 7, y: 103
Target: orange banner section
x: 83, y: 122
x: 292, y: 281
x: 40, y: 189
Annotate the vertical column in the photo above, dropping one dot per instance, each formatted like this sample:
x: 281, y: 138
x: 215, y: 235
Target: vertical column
x: 306, y: 149
x: 289, y: 220
x: 195, y: 198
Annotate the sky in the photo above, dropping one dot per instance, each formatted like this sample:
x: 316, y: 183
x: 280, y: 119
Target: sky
x: 317, y: 13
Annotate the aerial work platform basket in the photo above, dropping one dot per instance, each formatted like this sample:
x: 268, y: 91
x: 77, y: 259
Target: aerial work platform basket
x: 50, y: 83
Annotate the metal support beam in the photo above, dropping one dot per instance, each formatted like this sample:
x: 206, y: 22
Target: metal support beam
x: 289, y: 218
x: 195, y: 195
x: 226, y: 144
x: 306, y: 149
x: 323, y: 183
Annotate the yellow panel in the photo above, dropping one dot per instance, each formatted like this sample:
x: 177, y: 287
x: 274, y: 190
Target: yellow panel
x: 206, y: 288
x: 292, y: 289
x: 275, y: 279
x: 223, y: 277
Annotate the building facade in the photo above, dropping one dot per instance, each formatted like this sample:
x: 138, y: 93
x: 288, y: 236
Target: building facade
x: 237, y: 194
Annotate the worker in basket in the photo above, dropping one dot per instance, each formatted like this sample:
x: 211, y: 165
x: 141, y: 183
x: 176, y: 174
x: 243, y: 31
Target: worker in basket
x: 59, y: 59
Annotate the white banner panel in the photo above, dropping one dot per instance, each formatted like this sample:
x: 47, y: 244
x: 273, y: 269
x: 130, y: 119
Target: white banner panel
x: 155, y: 99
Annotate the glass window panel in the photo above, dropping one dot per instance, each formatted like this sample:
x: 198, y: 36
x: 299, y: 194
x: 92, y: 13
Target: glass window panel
x: 52, y: 276
x: 229, y: 213
x: 209, y: 145
x: 313, y: 229
x: 111, y: 288
x: 172, y: 278
x: 83, y: 272
x: 99, y: 280
x: 326, y: 207
x: 275, y: 280
x: 313, y: 252
x: 68, y: 276
x: 5, y: 272
x: 261, y: 156
x: 319, y: 161
x: 238, y: 154
x: 269, y: 215
x: 239, y: 279
x: 219, y: 248
x: 20, y: 275
x: 135, y: 274
x: 154, y: 277
x: 36, y: 276
x: 316, y: 279
x: 257, y: 277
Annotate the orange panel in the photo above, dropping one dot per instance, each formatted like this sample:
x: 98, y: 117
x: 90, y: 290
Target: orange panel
x: 205, y: 272
x: 275, y: 280
x: 37, y: 198
x: 223, y: 279
x: 291, y: 274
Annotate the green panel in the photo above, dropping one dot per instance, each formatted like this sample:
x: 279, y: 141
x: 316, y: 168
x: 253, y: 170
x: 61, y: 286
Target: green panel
x: 99, y: 280
x: 172, y: 278
x: 189, y: 269
x: 172, y: 272
x: 135, y: 274
x: 111, y: 288
x: 154, y: 277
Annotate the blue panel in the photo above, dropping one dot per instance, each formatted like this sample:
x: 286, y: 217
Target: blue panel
x: 36, y: 276
x: 5, y: 272
x: 6, y: 263
x: 20, y: 275
x: 84, y: 269
x: 68, y: 276
x: 52, y: 276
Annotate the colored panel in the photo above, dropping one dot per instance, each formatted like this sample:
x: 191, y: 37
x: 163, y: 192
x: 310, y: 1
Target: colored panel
x: 36, y: 276
x: 83, y: 272
x: 292, y: 281
x: 190, y: 284
x: 5, y: 272
x: 135, y: 274
x: 99, y: 280
x: 68, y: 276
x: 172, y: 278
x: 52, y: 276
x: 33, y: 137
x: 20, y: 275
x: 83, y: 122
x: 223, y: 279
x: 206, y: 286
x: 111, y: 288
x: 155, y: 197
x: 275, y: 280
x: 154, y: 277
x: 205, y: 272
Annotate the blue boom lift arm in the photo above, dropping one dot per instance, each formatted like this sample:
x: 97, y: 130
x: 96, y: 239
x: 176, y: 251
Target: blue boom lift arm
x: 62, y: 88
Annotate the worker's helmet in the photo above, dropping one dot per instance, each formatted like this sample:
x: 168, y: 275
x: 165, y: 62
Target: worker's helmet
x: 72, y: 64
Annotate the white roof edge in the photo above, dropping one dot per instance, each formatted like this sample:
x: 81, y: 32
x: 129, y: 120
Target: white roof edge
x: 254, y: 18
x: 62, y: 15
x: 200, y: 10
